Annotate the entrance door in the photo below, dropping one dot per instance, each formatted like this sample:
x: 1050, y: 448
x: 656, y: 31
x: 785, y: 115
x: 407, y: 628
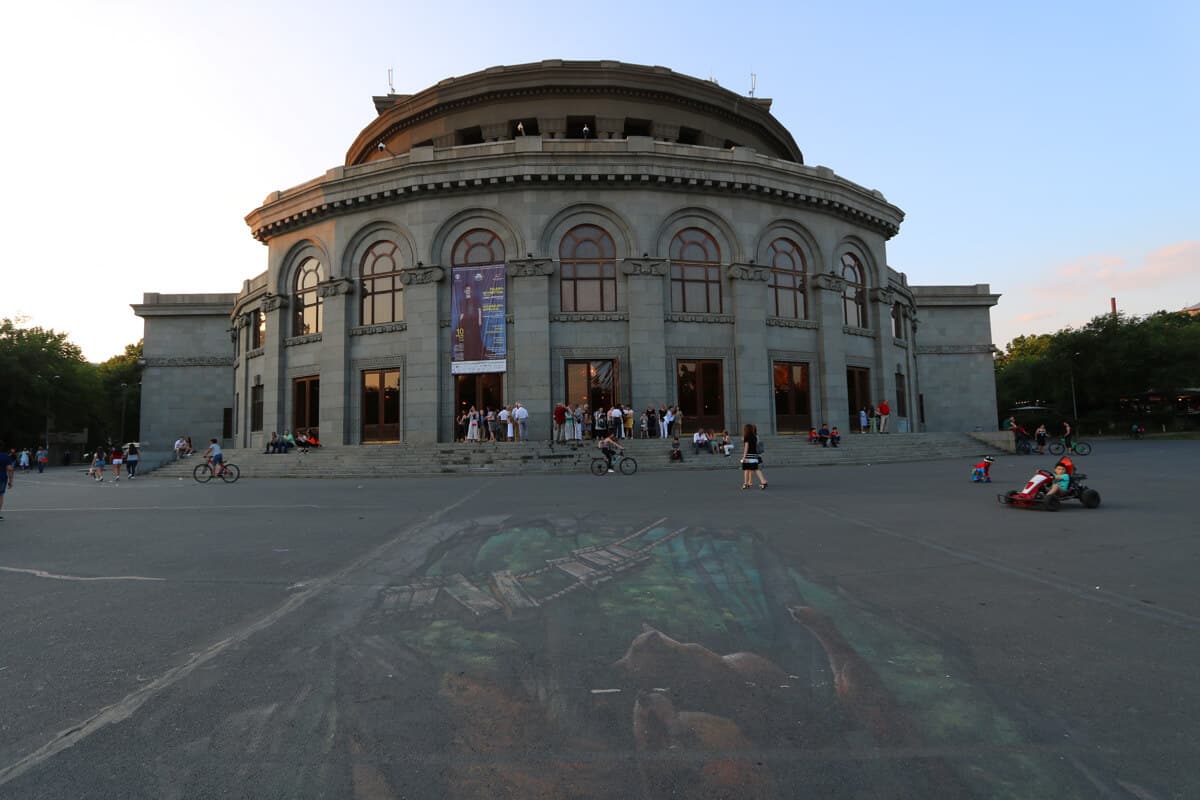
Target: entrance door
x: 381, y: 405
x: 306, y: 404
x: 483, y: 390
x: 793, y: 405
x: 858, y: 393
x: 701, y: 393
x: 593, y: 382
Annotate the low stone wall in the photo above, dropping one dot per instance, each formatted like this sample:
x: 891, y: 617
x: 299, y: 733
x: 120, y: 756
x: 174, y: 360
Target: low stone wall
x: 1001, y: 440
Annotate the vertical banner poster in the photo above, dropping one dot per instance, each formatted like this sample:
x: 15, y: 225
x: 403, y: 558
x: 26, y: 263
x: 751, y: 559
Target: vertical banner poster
x: 477, y: 311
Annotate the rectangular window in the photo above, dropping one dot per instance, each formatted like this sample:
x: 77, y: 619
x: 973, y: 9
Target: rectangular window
x: 793, y: 403
x: 306, y: 403
x: 256, y: 408
x: 593, y: 383
x: 227, y: 423
x: 696, y: 289
x: 700, y: 393
x: 258, y: 329
x: 381, y: 405
x: 901, y: 395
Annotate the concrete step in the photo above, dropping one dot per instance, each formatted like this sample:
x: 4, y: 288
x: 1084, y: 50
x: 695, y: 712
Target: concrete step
x: 382, y: 461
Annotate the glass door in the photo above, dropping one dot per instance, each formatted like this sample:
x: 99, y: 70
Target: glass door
x: 793, y: 404
x: 306, y: 404
x: 700, y: 389
x: 381, y: 405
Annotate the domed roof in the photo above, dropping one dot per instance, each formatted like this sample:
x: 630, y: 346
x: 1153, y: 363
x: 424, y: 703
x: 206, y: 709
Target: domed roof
x: 572, y: 99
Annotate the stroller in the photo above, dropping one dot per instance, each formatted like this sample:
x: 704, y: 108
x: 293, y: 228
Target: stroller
x: 1034, y: 493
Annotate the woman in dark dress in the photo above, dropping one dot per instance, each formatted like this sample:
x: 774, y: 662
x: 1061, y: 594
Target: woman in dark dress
x: 751, y: 460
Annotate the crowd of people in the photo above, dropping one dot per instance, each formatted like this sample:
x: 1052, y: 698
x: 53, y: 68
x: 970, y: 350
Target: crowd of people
x: 572, y: 422
x: 874, y: 418
x: 302, y: 440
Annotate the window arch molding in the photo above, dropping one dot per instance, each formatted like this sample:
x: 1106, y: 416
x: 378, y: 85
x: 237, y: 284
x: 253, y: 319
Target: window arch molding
x: 374, y: 258
x: 588, y: 214
x: 854, y: 296
x: 442, y: 247
x: 296, y: 255
x: 714, y: 224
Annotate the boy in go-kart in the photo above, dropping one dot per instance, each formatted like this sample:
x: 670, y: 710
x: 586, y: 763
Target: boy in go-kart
x: 1047, y: 489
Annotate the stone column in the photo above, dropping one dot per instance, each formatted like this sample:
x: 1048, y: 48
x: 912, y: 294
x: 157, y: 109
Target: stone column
x: 529, y: 349
x: 421, y: 381
x: 273, y: 364
x: 833, y: 395
x: 334, y: 419
x: 644, y: 287
x: 753, y: 391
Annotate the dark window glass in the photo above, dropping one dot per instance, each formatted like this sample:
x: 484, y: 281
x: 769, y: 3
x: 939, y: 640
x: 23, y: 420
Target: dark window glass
x: 695, y: 272
x: 793, y: 403
x: 381, y: 405
x: 258, y: 329
x: 306, y: 403
x: 593, y: 383
x: 382, y: 290
x: 898, y: 321
x: 854, y: 298
x: 477, y: 246
x: 901, y: 395
x: 306, y: 312
x: 701, y: 394
x: 788, y: 271
x: 588, y: 270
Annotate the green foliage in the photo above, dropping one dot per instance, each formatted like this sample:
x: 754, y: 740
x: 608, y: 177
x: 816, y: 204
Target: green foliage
x: 1110, y: 357
x: 46, y: 376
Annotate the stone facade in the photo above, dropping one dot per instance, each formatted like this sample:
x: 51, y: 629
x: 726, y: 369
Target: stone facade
x: 663, y: 167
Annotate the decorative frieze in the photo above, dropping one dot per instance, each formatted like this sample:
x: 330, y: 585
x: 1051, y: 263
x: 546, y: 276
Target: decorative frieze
x: 590, y: 316
x: 369, y: 330
x: 716, y: 319
x: 422, y: 275
x: 787, y: 322
x: 644, y: 267
x: 748, y: 272
x: 294, y: 341
x: 851, y: 330
x: 530, y: 268
x: 955, y: 349
x: 190, y: 361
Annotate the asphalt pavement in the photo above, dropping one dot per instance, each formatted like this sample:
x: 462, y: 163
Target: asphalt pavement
x: 867, y: 631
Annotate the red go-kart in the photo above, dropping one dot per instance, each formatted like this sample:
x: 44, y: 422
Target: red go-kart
x: 1034, y: 493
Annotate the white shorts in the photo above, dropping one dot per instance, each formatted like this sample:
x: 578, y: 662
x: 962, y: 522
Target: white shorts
x: 116, y: 462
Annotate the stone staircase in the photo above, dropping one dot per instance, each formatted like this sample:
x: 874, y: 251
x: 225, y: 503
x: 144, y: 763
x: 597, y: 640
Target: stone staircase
x: 509, y: 458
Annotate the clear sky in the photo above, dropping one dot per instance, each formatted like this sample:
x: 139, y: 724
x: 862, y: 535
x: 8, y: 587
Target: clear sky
x: 1048, y: 149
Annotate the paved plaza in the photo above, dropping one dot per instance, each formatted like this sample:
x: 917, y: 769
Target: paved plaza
x: 885, y: 631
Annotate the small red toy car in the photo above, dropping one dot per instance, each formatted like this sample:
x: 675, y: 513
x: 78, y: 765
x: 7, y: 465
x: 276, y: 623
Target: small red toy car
x: 1034, y: 493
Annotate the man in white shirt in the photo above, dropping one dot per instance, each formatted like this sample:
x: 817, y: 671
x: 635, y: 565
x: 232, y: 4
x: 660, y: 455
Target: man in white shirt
x: 503, y: 423
x: 616, y: 426
x: 521, y: 417
x: 180, y: 447
x: 700, y: 441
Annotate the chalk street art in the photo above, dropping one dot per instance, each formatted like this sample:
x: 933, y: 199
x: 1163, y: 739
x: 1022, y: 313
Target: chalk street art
x: 556, y: 659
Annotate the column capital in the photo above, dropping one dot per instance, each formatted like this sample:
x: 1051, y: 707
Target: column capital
x: 422, y: 275
x: 749, y: 272
x: 530, y: 267
x: 271, y: 302
x: 829, y: 282
x: 882, y: 296
x: 334, y: 286
x: 647, y: 267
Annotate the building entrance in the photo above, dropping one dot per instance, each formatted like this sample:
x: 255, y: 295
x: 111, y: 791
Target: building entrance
x: 381, y: 405
x: 306, y: 404
x: 793, y: 403
x: 483, y: 390
x: 700, y: 391
x: 858, y: 393
x: 593, y: 382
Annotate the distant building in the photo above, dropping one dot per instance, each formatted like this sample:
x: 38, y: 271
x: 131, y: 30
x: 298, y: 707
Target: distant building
x: 1192, y: 310
x: 595, y: 232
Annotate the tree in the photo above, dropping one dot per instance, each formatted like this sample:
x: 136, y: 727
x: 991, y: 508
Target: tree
x: 47, y: 378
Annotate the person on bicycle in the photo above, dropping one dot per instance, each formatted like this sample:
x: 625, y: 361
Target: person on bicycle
x: 609, y: 446
x: 213, y: 454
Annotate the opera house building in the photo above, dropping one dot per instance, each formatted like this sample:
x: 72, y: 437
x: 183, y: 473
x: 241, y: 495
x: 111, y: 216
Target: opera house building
x: 583, y: 231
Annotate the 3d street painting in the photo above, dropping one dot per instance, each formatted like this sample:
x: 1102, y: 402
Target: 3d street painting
x: 557, y: 659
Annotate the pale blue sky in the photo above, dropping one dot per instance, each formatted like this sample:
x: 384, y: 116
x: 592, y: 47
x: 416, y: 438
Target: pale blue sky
x: 1050, y: 153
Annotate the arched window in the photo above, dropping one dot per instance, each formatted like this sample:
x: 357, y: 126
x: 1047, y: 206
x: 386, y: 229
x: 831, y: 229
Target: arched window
x: 588, y: 282
x: 382, y: 291
x: 306, y: 305
x: 695, y: 272
x: 854, y: 298
x: 477, y: 246
x: 788, y: 272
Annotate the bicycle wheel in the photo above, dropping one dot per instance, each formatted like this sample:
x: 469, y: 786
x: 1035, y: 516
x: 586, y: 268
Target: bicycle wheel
x: 1057, y: 449
x: 231, y: 473
x: 599, y: 466
x: 202, y: 473
x: 628, y: 465
x: 1083, y: 448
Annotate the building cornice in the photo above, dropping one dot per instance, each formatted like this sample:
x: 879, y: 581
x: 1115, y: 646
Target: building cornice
x: 557, y: 165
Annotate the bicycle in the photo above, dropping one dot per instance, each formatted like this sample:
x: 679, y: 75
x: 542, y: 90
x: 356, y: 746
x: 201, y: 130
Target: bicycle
x: 203, y: 473
x: 1058, y: 447
x: 627, y: 464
